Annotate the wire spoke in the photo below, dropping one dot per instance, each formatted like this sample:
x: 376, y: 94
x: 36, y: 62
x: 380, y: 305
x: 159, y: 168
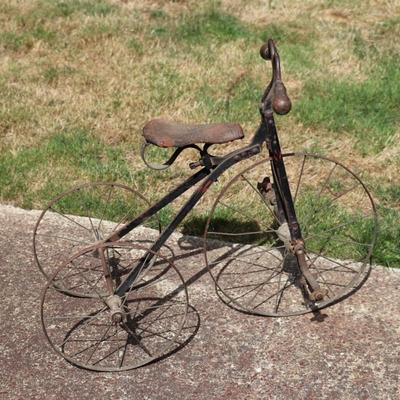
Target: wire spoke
x: 279, y: 273
x: 256, y: 287
x: 279, y: 297
x: 124, y: 217
x: 101, y: 297
x: 151, y: 322
x: 152, y: 334
x: 320, y: 275
x: 334, y: 228
x: 142, y: 266
x: 124, y: 352
x: 254, y: 264
x: 69, y: 219
x: 236, y: 210
x: 346, y: 266
x: 107, y: 355
x: 66, y: 317
x: 87, y: 321
x: 103, y: 214
x: 336, y: 239
x: 138, y: 340
x: 326, y: 180
x: 272, y: 296
x: 240, y: 233
x: 96, y: 346
x: 96, y: 235
x: 299, y: 179
x: 325, y: 209
x: 63, y: 238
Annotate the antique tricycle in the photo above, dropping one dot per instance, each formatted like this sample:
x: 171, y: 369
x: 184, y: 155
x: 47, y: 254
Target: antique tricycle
x: 282, y: 238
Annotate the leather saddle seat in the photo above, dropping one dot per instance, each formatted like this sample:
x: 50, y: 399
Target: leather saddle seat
x: 164, y: 133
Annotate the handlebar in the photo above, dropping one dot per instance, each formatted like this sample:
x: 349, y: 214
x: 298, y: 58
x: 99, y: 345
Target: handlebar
x: 275, y: 94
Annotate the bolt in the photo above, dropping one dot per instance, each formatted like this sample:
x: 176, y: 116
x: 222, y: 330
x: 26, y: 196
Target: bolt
x: 116, y: 317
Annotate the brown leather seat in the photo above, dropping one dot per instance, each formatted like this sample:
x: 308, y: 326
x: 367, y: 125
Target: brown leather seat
x: 170, y: 134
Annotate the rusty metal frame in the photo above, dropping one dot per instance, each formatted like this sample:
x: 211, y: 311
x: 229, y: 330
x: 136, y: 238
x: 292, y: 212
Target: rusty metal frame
x: 274, y: 99
x: 210, y: 175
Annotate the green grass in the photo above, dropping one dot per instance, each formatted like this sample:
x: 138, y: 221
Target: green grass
x: 79, y: 78
x: 387, y: 250
x: 237, y: 104
x: 319, y: 214
x: 51, y: 74
x: 212, y: 25
x: 25, y: 40
x: 71, y: 156
x: 67, y: 157
x: 367, y: 109
x: 388, y: 194
x: 67, y: 8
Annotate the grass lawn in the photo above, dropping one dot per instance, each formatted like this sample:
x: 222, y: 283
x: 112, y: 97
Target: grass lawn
x: 79, y: 79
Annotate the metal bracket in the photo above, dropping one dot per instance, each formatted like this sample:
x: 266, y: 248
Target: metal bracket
x: 165, y: 164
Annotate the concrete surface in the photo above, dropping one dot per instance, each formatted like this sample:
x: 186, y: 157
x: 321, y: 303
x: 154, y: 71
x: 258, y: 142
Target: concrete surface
x: 351, y: 353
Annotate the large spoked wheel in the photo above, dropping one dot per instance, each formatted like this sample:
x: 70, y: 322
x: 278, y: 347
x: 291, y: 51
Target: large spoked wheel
x: 84, y: 215
x: 250, y: 258
x: 106, y: 332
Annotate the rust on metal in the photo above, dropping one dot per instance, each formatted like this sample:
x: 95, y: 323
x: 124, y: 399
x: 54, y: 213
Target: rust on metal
x: 106, y: 269
x: 164, y: 133
x: 120, y: 299
x: 275, y: 96
x: 203, y: 188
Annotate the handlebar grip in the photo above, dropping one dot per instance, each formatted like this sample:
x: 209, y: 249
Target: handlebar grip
x: 281, y: 103
x: 264, y: 51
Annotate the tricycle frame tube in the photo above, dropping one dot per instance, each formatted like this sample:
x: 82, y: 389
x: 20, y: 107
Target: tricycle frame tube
x: 169, y: 198
x: 280, y: 179
x: 235, y: 157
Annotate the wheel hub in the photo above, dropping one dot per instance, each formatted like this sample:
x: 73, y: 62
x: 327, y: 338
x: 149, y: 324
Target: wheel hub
x: 115, y: 304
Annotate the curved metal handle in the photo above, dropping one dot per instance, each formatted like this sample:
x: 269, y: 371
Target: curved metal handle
x: 166, y: 164
x: 156, y: 166
x: 276, y: 90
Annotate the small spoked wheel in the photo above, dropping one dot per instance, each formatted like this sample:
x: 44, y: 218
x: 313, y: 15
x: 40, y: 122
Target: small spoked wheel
x: 248, y: 251
x: 84, y: 215
x: 107, y: 332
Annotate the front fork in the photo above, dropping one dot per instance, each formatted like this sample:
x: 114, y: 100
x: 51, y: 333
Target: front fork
x: 289, y: 230
x: 295, y: 247
x: 113, y: 302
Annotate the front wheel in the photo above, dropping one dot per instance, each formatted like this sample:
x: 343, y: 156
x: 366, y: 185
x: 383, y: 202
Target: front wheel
x: 247, y: 249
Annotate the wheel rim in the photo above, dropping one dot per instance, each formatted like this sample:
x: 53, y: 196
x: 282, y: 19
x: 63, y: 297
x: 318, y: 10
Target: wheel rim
x: 259, y: 275
x: 82, y: 216
x: 82, y: 330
